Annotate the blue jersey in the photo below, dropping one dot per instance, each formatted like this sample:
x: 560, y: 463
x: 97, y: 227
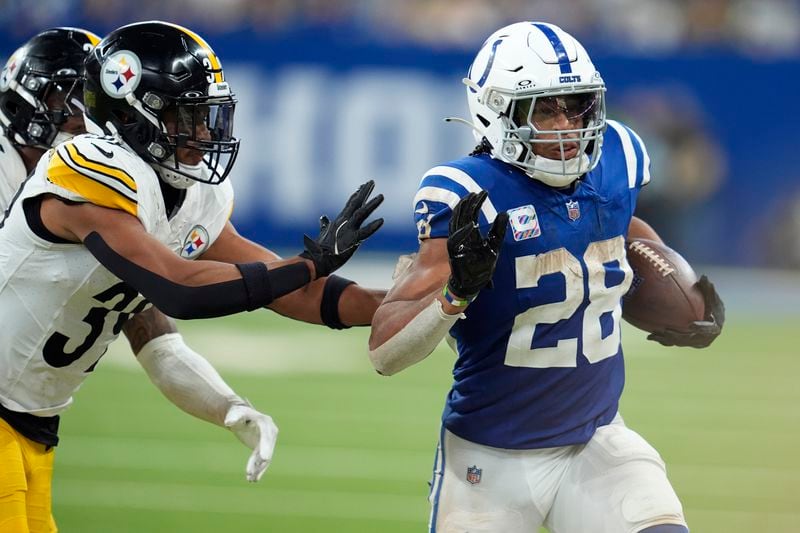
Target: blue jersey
x: 539, y: 354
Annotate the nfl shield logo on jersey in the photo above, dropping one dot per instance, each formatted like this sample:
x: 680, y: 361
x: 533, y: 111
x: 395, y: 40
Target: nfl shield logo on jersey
x: 524, y: 222
x: 195, y: 242
x: 474, y: 474
x: 573, y: 210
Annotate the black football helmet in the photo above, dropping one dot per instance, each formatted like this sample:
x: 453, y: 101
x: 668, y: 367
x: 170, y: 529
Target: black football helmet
x: 162, y: 89
x: 41, y: 85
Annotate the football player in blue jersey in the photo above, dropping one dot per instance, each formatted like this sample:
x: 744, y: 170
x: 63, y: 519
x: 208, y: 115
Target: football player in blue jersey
x: 539, y: 213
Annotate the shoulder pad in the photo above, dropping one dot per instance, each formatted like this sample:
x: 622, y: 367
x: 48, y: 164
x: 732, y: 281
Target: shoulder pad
x: 439, y: 191
x: 637, y: 160
x: 96, y: 169
x: 448, y: 184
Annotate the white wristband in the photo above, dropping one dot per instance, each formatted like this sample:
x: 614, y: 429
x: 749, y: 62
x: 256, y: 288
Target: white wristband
x: 415, y: 341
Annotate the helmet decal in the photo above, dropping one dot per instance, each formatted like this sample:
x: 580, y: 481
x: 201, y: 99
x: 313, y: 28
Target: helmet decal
x: 488, y: 65
x: 10, y: 69
x: 211, y: 63
x: 121, y: 73
x: 558, y: 46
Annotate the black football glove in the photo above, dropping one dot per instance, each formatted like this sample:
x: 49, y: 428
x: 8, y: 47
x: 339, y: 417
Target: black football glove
x: 702, y: 333
x: 338, y: 240
x: 472, y: 258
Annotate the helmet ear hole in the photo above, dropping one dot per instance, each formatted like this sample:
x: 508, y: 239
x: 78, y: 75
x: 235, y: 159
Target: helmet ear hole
x: 483, y: 120
x: 123, y: 117
x: 11, y: 108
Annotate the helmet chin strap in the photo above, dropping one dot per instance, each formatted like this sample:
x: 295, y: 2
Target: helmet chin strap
x: 174, y: 179
x: 556, y: 173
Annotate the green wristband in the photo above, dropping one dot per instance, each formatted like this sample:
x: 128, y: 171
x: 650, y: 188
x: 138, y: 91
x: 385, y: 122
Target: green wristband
x: 454, y: 300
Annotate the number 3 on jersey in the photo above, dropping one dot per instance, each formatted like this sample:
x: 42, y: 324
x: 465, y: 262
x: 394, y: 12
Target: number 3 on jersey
x: 600, y: 257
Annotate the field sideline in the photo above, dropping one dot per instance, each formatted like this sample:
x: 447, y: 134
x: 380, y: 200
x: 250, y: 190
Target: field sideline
x: 355, y: 450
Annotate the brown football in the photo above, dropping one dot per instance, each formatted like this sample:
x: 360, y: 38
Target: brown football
x: 663, y: 294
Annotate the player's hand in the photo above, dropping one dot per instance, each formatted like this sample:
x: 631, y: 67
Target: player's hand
x: 472, y: 258
x: 258, y: 432
x: 338, y: 240
x: 702, y: 333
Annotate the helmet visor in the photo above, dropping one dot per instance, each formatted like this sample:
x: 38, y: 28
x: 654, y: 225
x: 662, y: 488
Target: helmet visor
x: 200, y: 131
x: 543, y: 113
x: 203, y: 122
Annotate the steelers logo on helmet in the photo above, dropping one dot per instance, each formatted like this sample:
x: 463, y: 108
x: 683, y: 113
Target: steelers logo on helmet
x: 10, y: 69
x: 121, y: 73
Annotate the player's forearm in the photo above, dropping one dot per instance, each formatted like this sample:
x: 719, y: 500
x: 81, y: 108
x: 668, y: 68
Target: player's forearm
x: 406, y: 332
x: 315, y: 303
x: 357, y: 305
x: 253, y: 286
x: 186, y: 379
x: 391, y: 317
x: 143, y: 327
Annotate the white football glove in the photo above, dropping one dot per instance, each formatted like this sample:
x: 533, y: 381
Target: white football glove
x: 258, y: 432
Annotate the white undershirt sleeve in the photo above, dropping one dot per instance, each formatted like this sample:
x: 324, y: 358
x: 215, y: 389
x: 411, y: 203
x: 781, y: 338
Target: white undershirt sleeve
x: 415, y: 341
x: 187, y: 379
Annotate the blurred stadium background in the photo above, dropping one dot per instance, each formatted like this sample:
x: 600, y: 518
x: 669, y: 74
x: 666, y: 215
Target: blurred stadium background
x: 336, y: 91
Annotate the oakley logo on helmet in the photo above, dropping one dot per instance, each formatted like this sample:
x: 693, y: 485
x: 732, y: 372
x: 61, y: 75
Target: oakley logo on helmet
x: 121, y: 73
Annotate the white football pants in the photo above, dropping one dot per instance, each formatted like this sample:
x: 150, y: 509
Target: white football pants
x: 615, y: 483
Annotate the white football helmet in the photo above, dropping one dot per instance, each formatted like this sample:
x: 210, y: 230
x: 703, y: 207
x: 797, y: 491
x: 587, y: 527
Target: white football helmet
x: 533, y: 84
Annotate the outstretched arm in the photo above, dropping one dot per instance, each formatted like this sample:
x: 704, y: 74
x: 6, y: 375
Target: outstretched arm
x: 202, y: 289
x: 187, y: 380
x: 353, y: 304
x: 432, y: 293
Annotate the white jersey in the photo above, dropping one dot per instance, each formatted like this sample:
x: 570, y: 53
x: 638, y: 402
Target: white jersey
x: 12, y: 172
x: 59, y: 307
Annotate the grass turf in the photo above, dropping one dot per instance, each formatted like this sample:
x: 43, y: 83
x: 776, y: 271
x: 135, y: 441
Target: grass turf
x: 355, y: 450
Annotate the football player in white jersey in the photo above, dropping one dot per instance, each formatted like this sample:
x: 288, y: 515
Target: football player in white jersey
x: 41, y: 105
x: 138, y: 213
x: 530, y: 433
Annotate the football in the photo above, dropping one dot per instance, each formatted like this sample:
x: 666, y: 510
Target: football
x: 663, y: 294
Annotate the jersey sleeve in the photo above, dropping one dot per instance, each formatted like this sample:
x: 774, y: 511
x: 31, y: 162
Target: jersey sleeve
x: 439, y: 191
x: 94, y: 171
x: 637, y: 161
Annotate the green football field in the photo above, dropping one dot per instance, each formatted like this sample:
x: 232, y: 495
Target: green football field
x: 356, y: 449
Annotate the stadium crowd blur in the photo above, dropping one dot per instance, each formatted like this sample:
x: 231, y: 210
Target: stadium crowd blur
x: 638, y: 26
x: 691, y: 163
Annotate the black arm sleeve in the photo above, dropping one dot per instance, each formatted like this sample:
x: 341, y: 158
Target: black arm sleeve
x: 257, y: 287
